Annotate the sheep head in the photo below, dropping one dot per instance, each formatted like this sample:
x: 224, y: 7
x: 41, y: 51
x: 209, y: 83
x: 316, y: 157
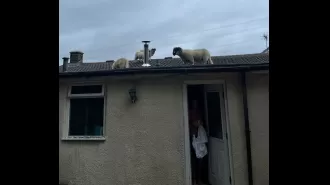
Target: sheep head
x: 152, y: 51
x: 177, y: 51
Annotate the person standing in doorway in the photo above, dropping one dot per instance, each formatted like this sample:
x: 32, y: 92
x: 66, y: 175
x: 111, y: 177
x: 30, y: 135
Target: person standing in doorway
x: 195, y: 120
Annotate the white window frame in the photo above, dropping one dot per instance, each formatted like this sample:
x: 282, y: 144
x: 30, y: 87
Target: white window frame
x: 70, y: 96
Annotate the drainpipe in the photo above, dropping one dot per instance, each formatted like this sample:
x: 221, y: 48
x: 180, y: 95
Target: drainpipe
x: 247, y: 128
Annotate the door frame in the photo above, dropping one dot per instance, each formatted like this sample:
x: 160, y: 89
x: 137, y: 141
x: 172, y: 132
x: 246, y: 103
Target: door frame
x: 187, y: 169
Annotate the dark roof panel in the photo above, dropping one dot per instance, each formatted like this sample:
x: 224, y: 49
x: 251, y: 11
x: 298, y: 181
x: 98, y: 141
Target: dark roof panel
x: 248, y: 59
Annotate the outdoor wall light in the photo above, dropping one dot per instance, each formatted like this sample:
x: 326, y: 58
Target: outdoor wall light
x: 132, y: 94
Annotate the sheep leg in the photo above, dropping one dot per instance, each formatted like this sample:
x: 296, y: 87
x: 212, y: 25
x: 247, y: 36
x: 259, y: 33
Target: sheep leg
x: 191, y: 59
x: 127, y: 64
x: 210, y: 61
x: 204, y: 59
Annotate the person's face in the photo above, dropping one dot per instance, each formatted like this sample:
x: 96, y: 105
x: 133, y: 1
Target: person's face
x: 197, y: 123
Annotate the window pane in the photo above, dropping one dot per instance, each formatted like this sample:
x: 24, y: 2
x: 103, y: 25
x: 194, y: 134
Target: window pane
x: 86, y: 89
x: 95, y: 116
x: 214, y: 114
x: 86, y: 117
x: 77, y: 117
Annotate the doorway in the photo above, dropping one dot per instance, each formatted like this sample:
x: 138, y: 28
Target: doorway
x: 214, y: 167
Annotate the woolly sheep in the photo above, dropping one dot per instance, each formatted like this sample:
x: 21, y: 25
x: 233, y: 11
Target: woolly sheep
x: 139, y: 55
x: 121, y: 63
x: 189, y: 55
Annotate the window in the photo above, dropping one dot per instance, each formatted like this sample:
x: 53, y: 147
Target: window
x: 86, y: 113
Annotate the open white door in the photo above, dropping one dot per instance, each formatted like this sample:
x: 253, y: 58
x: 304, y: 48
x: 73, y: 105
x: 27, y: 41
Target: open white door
x: 218, y: 151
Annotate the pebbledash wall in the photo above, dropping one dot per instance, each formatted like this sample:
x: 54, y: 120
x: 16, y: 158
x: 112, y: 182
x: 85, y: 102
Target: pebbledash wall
x: 258, y: 98
x: 145, y: 141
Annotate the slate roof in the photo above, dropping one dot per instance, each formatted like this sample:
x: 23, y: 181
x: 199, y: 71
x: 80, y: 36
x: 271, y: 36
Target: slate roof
x: 230, y: 60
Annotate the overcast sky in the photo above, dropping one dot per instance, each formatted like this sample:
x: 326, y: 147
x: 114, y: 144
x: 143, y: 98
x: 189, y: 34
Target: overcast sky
x: 110, y: 29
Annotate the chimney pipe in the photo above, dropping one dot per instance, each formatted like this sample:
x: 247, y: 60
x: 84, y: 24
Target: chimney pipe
x: 65, y: 63
x: 146, y: 54
x: 76, y: 57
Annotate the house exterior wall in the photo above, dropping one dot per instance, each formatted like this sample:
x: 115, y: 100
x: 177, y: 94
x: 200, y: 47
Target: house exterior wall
x: 258, y: 104
x: 145, y: 141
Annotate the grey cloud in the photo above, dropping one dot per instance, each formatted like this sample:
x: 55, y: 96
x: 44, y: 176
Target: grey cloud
x: 105, y: 29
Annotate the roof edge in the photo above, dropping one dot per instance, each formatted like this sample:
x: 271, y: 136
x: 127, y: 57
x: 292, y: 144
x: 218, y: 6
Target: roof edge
x: 177, y: 69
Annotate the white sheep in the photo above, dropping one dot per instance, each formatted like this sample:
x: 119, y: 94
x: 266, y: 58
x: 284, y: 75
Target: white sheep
x: 192, y: 55
x: 139, y: 55
x: 121, y: 63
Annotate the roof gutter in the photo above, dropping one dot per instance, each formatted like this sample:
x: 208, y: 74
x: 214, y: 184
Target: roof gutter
x: 180, y: 69
x: 247, y: 128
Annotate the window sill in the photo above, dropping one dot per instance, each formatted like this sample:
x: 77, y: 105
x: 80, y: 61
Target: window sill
x: 84, y: 138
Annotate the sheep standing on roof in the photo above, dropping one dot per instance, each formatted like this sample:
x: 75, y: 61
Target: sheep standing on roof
x: 190, y: 55
x: 121, y: 63
x: 139, y: 55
